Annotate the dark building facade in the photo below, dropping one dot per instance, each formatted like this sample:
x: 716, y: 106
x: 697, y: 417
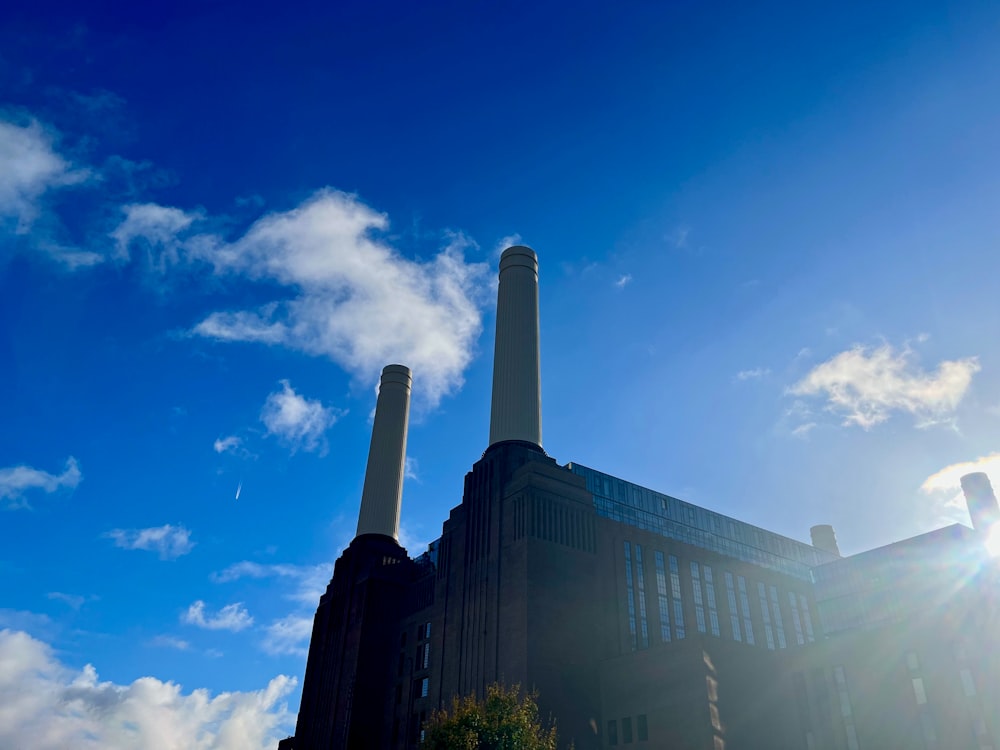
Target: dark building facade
x: 640, y: 619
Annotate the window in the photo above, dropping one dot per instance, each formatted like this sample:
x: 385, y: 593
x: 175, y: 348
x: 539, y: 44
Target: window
x: 713, y: 614
x: 675, y: 592
x: 627, y: 730
x: 423, y: 656
x: 699, y: 602
x: 612, y: 732
x: 807, y: 618
x: 643, y: 628
x: 422, y: 687
x: 779, y: 625
x: 734, y: 618
x: 661, y: 596
x: 768, y: 631
x: 630, y: 596
x: 641, y: 729
x: 846, y: 712
x: 796, y: 620
x: 741, y: 583
x: 918, y: 691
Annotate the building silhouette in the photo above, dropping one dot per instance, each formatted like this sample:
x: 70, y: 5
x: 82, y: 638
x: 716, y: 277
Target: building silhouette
x: 641, y: 619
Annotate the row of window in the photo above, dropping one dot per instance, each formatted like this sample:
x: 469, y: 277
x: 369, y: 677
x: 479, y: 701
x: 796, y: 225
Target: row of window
x: 706, y: 611
x: 641, y: 730
x: 637, y: 506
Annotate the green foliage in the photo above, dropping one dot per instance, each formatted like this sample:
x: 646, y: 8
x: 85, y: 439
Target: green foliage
x: 505, y: 720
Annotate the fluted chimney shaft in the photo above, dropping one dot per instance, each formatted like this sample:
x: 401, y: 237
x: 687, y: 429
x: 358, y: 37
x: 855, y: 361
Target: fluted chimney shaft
x: 981, y: 501
x: 383, y: 491
x: 516, y: 412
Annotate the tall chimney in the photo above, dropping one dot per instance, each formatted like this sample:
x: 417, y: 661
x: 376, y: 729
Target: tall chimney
x: 516, y: 412
x: 824, y: 538
x: 982, y: 502
x: 383, y: 491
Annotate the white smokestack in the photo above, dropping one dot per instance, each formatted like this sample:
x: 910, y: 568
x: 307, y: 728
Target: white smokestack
x: 516, y: 413
x: 983, y: 509
x: 383, y: 491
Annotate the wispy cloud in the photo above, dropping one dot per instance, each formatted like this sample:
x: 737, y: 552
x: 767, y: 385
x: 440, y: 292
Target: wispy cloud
x: 155, y: 229
x: 170, y: 641
x: 309, y: 581
x: 623, y: 280
x: 29, y: 167
x: 509, y: 241
x: 170, y: 542
x: 17, y: 481
x: 865, y: 386
x: 410, y: 468
x: 74, y: 601
x: 297, y: 420
x: 755, y: 374
x: 233, y: 617
x: 49, y: 706
x: 230, y: 444
x: 288, y: 635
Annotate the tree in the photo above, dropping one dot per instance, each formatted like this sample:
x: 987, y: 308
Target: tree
x: 505, y: 720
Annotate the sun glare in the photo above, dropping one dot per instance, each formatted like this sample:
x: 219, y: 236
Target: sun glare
x: 993, y: 541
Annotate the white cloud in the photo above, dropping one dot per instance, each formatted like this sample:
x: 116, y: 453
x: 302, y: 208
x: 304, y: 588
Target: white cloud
x: 310, y: 580
x: 509, y: 241
x: 29, y: 166
x: 949, y: 478
x: 170, y: 641
x: 45, y: 705
x: 74, y: 601
x: 234, y: 617
x: 410, y: 468
x: 755, y: 374
x: 229, y: 444
x: 288, y: 635
x: 15, y: 481
x: 356, y: 299
x: 156, y: 229
x: 623, y: 280
x: 296, y: 419
x: 803, y: 430
x: 168, y: 541
x: 866, y: 386
x: 945, y: 487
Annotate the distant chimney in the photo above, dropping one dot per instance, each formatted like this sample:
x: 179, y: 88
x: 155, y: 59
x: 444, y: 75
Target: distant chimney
x: 516, y: 412
x: 383, y: 491
x: 982, y: 502
x: 823, y: 538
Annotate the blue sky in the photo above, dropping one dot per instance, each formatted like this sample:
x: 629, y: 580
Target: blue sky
x: 768, y: 263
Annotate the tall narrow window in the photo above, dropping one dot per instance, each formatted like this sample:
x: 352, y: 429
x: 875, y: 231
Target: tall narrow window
x: 765, y: 615
x: 612, y: 731
x: 846, y: 711
x: 779, y: 626
x: 699, y: 602
x: 796, y: 620
x: 643, y: 628
x: 741, y: 583
x: 662, y: 598
x: 675, y: 592
x: 807, y: 618
x: 630, y: 596
x: 626, y: 730
x: 734, y: 617
x: 713, y: 612
x: 641, y: 727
